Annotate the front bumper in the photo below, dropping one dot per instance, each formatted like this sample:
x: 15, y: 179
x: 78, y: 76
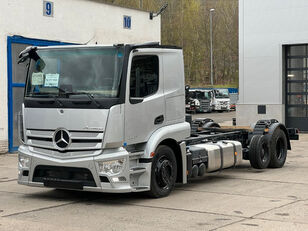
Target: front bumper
x: 204, y: 110
x: 113, y: 185
x: 222, y: 107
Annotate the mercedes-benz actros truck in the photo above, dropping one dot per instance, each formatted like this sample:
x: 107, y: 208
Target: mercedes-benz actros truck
x: 112, y: 119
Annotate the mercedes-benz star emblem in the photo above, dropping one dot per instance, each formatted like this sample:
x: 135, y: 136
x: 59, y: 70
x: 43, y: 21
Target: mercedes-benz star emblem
x: 61, y: 138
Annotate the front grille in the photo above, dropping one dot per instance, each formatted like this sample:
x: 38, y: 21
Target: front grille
x: 224, y: 103
x: 205, y: 105
x: 63, y: 177
x: 82, y: 142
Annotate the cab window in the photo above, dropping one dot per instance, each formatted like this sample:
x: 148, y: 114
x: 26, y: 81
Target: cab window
x: 144, y: 76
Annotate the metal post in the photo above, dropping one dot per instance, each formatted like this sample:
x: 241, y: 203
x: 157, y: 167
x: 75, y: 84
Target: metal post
x: 211, y: 34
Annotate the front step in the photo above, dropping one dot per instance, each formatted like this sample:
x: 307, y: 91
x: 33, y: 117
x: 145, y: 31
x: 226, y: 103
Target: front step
x: 141, y: 188
x: 137, y: 170
x: 136, y: 154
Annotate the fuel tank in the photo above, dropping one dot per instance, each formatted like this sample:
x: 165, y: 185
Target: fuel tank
x: 217, y: 155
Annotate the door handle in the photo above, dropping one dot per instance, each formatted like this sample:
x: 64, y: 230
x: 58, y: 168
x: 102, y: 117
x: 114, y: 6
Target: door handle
x: 135, y: 100
x: 159, y: 119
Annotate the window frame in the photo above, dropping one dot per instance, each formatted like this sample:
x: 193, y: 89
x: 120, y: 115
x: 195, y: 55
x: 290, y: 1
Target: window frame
x: 158, y: 76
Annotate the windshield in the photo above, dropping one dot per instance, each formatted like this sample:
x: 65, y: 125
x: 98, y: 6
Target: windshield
x: 222, y: 93
x: 94, y: 71
x: 200, y: 95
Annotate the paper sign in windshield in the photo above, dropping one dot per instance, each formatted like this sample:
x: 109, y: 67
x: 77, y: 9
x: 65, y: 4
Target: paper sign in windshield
x: 37, y: 79
x: 51, y: 80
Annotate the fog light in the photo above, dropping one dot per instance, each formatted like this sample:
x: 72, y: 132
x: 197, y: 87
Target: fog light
x: 111, y: 167
x: 23, y: 161
x: 118, y: 179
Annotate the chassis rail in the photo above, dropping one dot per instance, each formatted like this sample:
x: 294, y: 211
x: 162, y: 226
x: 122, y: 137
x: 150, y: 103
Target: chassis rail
x: 217, y: 134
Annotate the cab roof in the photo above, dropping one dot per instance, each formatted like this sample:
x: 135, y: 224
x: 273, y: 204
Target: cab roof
x: 132, y: 46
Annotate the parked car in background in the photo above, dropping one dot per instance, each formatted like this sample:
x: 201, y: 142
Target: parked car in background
x: 233, y: 100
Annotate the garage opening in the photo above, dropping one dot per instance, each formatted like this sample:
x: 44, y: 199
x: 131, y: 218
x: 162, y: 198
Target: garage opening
x: 296, y: 86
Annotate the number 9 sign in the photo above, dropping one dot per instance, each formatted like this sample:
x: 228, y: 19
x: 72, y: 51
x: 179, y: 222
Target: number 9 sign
x: 48, y: 8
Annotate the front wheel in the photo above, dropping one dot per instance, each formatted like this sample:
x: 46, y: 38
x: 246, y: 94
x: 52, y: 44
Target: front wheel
x: 163, y: 173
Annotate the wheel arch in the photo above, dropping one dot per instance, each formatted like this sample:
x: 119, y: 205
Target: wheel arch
x: 211, y: 124
x: 175, y: 146
x: 172, y: 135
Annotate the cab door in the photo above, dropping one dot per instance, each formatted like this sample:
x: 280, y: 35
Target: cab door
x: 145, y: 104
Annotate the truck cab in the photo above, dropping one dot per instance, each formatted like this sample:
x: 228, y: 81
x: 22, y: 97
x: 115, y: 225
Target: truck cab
x: 202, y: 99
x: 221, y: 100
x: 94, y: 116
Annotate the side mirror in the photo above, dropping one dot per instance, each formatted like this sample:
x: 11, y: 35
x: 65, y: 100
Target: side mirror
x: 135, y: 100
x: 29, y: 52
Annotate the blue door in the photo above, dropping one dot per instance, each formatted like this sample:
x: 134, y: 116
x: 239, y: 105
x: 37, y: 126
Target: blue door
x: 16, y: 81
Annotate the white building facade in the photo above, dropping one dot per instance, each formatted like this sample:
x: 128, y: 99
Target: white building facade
x: 273, y: 45
x: 38, y: 22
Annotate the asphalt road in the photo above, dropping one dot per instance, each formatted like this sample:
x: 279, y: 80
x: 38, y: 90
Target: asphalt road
x: 235, y: 199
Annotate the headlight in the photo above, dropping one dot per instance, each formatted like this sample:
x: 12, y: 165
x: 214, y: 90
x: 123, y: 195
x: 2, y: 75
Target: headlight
x: 23, y: 161
x: 111, y: 167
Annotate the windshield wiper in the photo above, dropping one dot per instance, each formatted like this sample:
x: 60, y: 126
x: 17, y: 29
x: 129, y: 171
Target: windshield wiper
x: 54, y: 98
x: 58, y: 101
x: 90, y: 96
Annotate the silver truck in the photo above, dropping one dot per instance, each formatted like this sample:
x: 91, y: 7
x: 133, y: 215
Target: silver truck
x: 112, y: 119
x: 220, y: 100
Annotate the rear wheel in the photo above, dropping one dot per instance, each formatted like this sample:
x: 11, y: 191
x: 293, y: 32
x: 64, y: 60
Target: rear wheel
x: 278, y: 148
x: 164, y: 171
x: 259, y: 155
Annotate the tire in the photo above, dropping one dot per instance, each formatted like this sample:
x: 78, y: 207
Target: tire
x: 163, y: 172
x: 259, y: 155
x: 278, y: 148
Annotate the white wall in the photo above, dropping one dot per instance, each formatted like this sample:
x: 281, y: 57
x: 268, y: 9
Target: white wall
x: 76, y: 21
x: 265, y: 26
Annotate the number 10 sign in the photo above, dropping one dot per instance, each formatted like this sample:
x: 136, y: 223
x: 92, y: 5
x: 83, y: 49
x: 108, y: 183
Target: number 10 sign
x: 48, y: 8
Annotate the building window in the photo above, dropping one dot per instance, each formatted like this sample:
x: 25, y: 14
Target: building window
x: 144, y: 76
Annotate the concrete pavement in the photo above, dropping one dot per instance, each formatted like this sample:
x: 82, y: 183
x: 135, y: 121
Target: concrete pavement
x: 235, y: 199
